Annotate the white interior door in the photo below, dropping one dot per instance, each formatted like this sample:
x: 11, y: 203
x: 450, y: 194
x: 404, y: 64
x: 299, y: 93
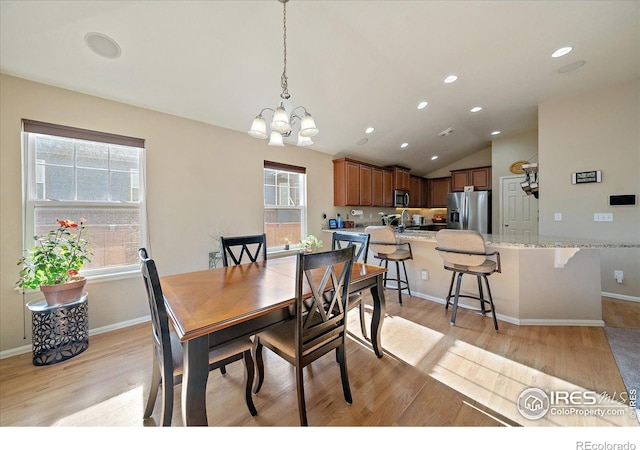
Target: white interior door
x: 519, y: 210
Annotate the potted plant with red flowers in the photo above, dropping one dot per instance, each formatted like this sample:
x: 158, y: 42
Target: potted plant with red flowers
x: 53, y: 263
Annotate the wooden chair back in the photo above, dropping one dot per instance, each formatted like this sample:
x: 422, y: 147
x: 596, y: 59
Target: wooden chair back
x: 321, y: 324
x: 360, y: 241
x: 234, y: 249
x: 159, y: 318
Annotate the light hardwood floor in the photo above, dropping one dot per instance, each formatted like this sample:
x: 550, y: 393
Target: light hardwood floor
x: 432, y: 374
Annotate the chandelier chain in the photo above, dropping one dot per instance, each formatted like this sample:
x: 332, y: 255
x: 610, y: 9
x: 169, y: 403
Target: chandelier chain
x: 283, y: 80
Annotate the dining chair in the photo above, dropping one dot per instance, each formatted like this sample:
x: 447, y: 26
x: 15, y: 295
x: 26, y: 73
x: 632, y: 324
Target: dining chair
x: 385, y: 247
x: 235, y: 248
x: 361, y: 243
x: 464, y: 253
x: 168, y: 353
x: 319, y: 324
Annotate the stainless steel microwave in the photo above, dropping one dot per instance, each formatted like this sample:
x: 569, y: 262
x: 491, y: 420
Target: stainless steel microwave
x: 400, y: 198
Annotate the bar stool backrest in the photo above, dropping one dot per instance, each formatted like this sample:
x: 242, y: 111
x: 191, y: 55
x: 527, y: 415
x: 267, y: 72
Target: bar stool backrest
x: 382, y: 234
x: 459, y: 242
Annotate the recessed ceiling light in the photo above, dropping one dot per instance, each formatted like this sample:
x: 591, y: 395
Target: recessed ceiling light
x: 362, y: 141
x: 404, y: 145
x: 476, y: 109
x: 571, y: 67
x: 495, y: 133
x: 450, y: 79
x: 433, y: 158
x: 561, y: 52
x: 422, y: 105
x: 369, y: 130
x: 103, y: 45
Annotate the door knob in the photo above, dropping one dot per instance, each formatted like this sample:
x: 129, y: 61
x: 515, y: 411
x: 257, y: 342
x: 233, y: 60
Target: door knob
x: 506, y: 224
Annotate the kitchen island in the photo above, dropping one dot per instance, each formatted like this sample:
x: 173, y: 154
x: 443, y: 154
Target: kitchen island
x: 544, y: 280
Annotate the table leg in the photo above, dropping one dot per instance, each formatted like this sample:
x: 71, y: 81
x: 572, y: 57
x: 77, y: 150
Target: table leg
x: 194, y: 381
x: 377, y: 292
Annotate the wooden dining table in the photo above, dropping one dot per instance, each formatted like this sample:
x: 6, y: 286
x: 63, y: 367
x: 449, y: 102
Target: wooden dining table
x: 215, y: 306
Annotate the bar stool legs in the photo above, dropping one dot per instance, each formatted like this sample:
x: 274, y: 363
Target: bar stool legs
x: 480, y: 297
x: 399, y: 281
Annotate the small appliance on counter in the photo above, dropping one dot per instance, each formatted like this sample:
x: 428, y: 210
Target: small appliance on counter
x: 418, y: 219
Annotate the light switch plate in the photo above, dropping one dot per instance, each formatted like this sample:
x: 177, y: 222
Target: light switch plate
x: 557, y: 217
x: 603, y: 217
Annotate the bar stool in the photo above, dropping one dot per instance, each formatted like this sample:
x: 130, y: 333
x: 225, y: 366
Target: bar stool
x: 464, y: 252
x: 386, y: 247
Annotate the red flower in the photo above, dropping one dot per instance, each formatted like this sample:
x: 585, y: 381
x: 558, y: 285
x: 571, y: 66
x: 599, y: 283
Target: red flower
x: 67, y: 223
x: 72, y: 272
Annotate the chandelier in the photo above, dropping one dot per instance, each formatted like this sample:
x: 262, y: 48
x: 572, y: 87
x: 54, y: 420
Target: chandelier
x: 282, y: 122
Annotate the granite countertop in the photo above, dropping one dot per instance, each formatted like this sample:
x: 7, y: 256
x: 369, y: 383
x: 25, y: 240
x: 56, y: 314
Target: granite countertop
x: 527, y: 241
x: 513, y: 241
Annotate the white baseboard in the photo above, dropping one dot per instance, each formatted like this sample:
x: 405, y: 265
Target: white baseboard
x: 516, y: 321
x: 116, y: 326
x: 629, y: 298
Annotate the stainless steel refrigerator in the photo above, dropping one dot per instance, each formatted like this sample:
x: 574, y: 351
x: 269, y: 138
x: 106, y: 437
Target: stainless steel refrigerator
x: 469, y: 211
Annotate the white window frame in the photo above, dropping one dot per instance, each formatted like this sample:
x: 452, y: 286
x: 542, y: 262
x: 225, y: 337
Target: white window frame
x: 30, y: 203
x: 303, y: 201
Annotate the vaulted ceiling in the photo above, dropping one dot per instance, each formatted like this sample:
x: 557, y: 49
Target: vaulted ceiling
x: 352, y: 64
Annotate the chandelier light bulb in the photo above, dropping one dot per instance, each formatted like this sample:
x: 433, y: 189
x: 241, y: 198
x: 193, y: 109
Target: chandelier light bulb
x: 280, y: 120
x: 303, y: 141
x: 258, y: 128
x: 276, y: 139
x: 308, y: 126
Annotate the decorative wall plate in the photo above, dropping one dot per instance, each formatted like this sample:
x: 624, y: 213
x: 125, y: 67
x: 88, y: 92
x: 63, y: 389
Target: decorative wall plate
x: 516, y: 167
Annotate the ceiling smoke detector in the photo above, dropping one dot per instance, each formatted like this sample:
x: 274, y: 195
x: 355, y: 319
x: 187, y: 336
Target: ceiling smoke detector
x: 446, y: 132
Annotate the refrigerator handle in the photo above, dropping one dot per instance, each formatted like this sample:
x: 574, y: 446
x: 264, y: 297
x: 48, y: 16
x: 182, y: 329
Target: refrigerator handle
x: 465, y: 206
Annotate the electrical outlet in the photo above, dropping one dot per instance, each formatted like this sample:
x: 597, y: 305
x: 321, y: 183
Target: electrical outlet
x: 557, y: 217
x: 425, y: 274
x: 618, y: 275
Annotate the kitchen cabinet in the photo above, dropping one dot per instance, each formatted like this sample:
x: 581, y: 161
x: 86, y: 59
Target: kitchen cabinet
x: 381, y: 187
x: 424, y: 193
x: 478, y: 177
x: 346, y: 182
x: 414, y: 192
x: 401, y: 178
x: 365, y: 185
x: 438, y: 188
x: 387, y: 187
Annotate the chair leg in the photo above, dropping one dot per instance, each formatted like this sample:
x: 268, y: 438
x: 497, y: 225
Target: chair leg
x: 344, y: 375
x: 167, y: 399
x: 453, y: 277
x: 363, y: 327
x: 481, y: 296
x: 493, y: 309
x: 302, y: 409
x: 257, y: 354
x: 398, y: 282
x: 223, y: 370
x: 249, y: 370
x: 404, y: 266
x: 156, y: 378
x: 455, y: 300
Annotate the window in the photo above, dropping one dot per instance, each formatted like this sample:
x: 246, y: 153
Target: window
x: 285, y: 205
x: 71, y: 173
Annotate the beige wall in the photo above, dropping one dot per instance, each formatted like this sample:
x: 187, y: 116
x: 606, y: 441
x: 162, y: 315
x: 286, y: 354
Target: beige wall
x: 477, y: 159
x: 200, y: 178
x: 598, y: 131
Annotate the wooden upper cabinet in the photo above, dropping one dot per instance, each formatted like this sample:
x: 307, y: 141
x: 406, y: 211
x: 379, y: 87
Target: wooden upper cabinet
x: 365, y: 185
x: 377, y: 186
x: 346, y: 182
x: 414, y: 192
x: 438, y: 188
x: 401, y: 178
x: 387, y: 188
x: 478, y: 177
x: 424, y: 193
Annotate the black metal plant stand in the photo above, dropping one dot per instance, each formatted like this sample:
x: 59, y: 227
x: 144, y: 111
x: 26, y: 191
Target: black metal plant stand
x: 60, y: 332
